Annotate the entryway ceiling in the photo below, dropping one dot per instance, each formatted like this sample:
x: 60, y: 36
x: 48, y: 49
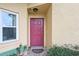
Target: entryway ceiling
x: 42, y: 8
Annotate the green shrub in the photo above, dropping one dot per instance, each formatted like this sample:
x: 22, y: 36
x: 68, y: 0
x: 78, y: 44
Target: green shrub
x: 24, y: 48
x: 21, y: 49
x: 62, y: 51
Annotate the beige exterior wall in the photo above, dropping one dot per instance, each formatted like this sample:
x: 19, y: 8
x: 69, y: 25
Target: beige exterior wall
x: 65, y: 24
x: 22, y: 10
x: 49, y: 27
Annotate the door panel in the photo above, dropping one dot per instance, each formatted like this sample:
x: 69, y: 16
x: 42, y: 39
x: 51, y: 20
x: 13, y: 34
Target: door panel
x: 37, y: 32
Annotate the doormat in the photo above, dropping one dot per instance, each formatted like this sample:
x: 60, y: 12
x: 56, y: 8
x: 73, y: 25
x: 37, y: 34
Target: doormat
x: 37, y: 50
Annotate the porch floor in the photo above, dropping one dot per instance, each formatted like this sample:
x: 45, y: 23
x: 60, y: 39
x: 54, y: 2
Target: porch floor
x: 37, y: 51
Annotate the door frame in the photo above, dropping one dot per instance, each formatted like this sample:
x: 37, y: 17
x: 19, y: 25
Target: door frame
x: 31, y: 42
x: 28, y: 39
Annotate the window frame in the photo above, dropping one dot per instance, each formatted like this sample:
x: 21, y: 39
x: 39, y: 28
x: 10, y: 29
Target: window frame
x: 17, y: 26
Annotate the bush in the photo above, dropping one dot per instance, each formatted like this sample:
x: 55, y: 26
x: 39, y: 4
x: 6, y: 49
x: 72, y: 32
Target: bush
x: 21, y: 49
x: 62, y: 51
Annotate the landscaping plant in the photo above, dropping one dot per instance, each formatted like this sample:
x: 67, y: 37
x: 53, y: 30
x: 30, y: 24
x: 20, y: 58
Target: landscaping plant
x: 62, y: 51
x: 20, y: 50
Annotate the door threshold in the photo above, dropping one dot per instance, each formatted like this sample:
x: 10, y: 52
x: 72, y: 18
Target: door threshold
x: 37, y: 47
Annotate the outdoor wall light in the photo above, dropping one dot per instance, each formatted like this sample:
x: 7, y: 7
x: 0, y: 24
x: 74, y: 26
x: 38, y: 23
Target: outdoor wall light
x: 35, y: 9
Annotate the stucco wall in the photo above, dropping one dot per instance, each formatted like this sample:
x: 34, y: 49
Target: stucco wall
x: 22, y: 10
x: 49, y: 27
x: 65, y: 24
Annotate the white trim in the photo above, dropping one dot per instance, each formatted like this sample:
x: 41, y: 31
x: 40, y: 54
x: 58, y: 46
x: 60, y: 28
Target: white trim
x: 17, y: 26
x: 44, y: 32
x: 8, y: 11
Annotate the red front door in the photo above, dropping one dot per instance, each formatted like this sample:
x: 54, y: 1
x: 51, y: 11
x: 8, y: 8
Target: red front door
x: 37, y: 31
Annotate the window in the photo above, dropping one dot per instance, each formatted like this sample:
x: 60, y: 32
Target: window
x: 8, y: 26
x: 9, y: 33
